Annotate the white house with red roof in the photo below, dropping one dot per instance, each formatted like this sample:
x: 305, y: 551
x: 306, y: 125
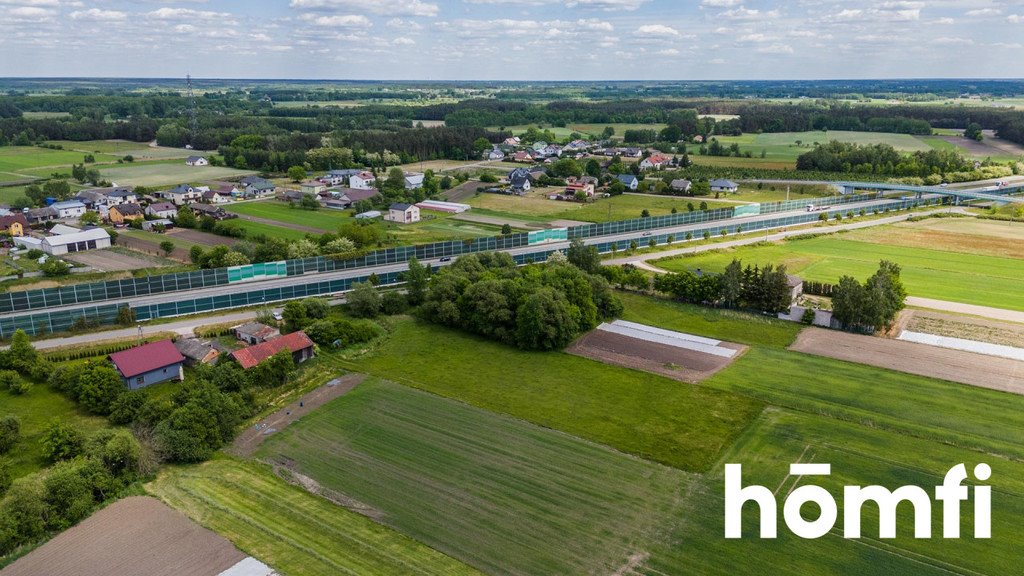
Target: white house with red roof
x: 654, y: 162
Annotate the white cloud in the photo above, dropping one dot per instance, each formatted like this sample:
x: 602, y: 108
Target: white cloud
x: 31, y: 13
x: 775, y: 49
x: 403, y: 41
x: 388, y: 7
x: 756, y: 37
x: 952, y: 41
x: 1015, y: 18
x: 607, y: 5
x: 95, y: 14
x: 167, y: 13
x: 403, y: 24
x: 744, y: 13
x: 337, y: 21
x: 945, y: 21
x: 984, y: 12
x: 720, y: 3
x: 668, y: 52
x: 657, y: 30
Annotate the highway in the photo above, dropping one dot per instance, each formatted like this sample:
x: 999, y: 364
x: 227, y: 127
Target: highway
x: 680, y: 231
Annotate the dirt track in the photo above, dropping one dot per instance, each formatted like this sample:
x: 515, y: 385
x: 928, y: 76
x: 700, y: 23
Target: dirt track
x: 669, y: 361
x: 136, y: 536
x: 247, y: 442
x: 943, y: 363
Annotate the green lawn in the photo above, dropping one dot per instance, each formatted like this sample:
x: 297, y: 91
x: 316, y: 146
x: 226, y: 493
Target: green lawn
x: 940, y: 273
x: 257, y: 228
x: 859, y: 455
x: 324, y: 219
x: 37, y: 409
x: 20, y: 162
x: 9, y: 194
x: 514, y: 497
x: 290, y: 529
x: 138, y: 150
x: 653, y: 417
x: 535, y: 206
x: 166, y: 173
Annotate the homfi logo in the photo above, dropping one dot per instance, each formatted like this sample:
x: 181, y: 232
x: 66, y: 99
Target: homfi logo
x: 951, y: 493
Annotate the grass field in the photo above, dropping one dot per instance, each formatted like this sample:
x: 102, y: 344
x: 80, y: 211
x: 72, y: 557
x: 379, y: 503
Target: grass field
x: 635, y: 412
x: 167, y: 173
x: 36, y: 409
x: 324, y: 219
x: 515, y: 498
x: 593, y: 130
x: 257, y: 228
x: 946, y: 271
x: 20, y: 162
x: 138, y: 150
x: 290, y: 529
x: 861, y: 456
x: 9, y: 194
x: 536, y: 207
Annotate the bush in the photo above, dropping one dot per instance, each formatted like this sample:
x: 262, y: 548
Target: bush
x: 35, y: 254
x: 62, y: 441
x: 808, y: 317
x: 10, y: 432
x: 393, y: 303
x: 55, y: 268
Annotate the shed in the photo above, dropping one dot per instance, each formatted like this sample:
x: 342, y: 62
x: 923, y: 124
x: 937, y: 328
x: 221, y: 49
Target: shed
x: 197, y: 351
x: 297, y: 343
x: 255, y: 332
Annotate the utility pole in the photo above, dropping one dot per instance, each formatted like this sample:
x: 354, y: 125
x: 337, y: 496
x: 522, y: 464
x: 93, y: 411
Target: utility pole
x: 787, y: 193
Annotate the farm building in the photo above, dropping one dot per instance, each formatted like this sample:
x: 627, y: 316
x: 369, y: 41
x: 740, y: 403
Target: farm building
x: 13, y: 224
x: 149, y: 225
x: 80, y: 241
x: 352, y: 195
x: 297, y: 343
x: 124, y: 212
x: 721, y: 185
x: 196, y: 161
x: 403, y: 213
x: 196, y: 351
x: 149, y: 364
x: 215, y: 212
x: 255, y: 332
x: 439, y: 206
x: 369, y: 215
x: 413, y: 180
x: 38, y: 215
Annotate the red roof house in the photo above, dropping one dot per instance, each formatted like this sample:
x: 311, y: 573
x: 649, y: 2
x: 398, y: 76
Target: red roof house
x: 149, y: 364
x: 297, y: 343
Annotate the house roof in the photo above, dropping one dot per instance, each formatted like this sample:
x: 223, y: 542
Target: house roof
x: 257, y: 329
x: 83, y: 236
x: 400, y: 206
x: 193, y: 348
x: 680, y: 184
x: 181, y: 189
x: 67, y: 204
x: 146, y: 358
x: 194, y: 158
x: 722, y: 183
x: 128, y: 209
x: 519, y: 181
x: 41, y: 212
x: 121, y: 192
x: 364, y: 175
x: 163, y: 206
x: 62, y: 229
x: 626, y: 178
x: 357, y: 194
x: 253, y: 355
x: 6, y: 221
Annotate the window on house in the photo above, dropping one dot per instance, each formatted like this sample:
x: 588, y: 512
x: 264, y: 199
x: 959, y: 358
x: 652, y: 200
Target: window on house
x: 140, y: 380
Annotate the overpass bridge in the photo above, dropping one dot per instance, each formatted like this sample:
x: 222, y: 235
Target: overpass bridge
x: 1001, y: 194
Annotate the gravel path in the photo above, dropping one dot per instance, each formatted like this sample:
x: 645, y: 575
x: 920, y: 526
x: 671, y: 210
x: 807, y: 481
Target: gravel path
x: 969, y: 309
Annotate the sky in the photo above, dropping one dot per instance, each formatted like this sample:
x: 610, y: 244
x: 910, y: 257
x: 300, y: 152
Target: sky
x: 513, y: 39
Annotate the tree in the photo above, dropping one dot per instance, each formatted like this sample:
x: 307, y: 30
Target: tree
x: 309, y: 202
x: 364, y: 300
x: 416, y: 278
x: 973, y: 131
x: 850, y: 303
x: 55, y: 267
x: 506, y: 229
x: 185, y: 218
x: 303, y: 249
x: 99, y: 387
x: 21, y: 355
x: 593, y: 168
x: 566, y: 167
x: 316, y: 308
x: 167, y: 246
x: 480, y: 145
x: 294, y: 315
x: 296, y: 173
x: 584, y: 257
x: 12, y: 381
x: 732, y: 284
x: 887, y: 292
x: 195, y: 254
x: 62, y: 441
x: 90, y: 218
x: 10, y: 432
x: 544, y: 321
x: 395, y: 181
x: 339, y: 246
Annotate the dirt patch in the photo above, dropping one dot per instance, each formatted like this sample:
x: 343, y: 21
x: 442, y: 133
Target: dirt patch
x: 151, y: 247
x: 953, y: 326
x: 247, y: 442
x: 136, y: 536
x: 497, y: 221
x: 913, y: 358
x: 989, y: 146
x: 198, y: 237
x: 285, y: 468
x: 463, y: 191
x: 670, y: 361
x: 567, y: 223
x: 108, y: 260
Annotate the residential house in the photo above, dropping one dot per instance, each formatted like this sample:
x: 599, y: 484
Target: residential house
x: 573, y: 188
x: 181, y: 194
x: 578, y: 145
x: 796, y: 287
x: 630, y: 152
x: 721, y: 185
x: 413, y: 180
x: 350, y: 196
x: 196, y: 161
x: 654, y: 162
x: 122, y: 213
x: 631, y: 181
x: 290, y: 196
x: 403, y: 213
x: 68, y: 209
x: 162, y: 210
x: 197, y: 351
x: 552, y: 150
x: 522, y: 156
x: 362, y: 181
x: 519, y: 182
x: 495, y: 154
x: 40, y: 215
x: 256, y: 187
x: 536, y: 172
x: 297, y: 343
x: 215, y: 197
x: 511, y: 141
x: 149, y: 364
x: 331, y: 179
x: 312, y: 187
x: 215, y: 212
x: 539, y: 146
x: 14, y: 224
x: 121, y: 195
x: 680, y: 185
x: 255, y: 332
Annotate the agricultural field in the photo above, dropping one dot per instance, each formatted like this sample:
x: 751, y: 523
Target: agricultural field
x: 593, y: 130
x: 686, y: 427
x: 21, y: 162
x: 9, y: 194
x: 323, y: 219
x: 36, y: 409
x: 946, y: 266
x: 167, y: 173
x: 260, y: 228
x: 535, y: 206
x: 777, y: 192
x: 119, y: 148
x: 409, y: 458
x: 290, y: 529
x: 859, y: 455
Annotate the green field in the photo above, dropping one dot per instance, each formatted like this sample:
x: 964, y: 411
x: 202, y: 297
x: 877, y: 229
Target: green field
x: 514, y: 498
x: 290, y: 529
x: 21, y: 162
x: 859, y: 455
x: 536, y: 207
x: 258, y: 228
x: 943, y: 273
x: 593, y: 130
x: 138, y: 150
x: 324, y: 219
x: 36, y: 409
x: 653, y: 417
x: 167, y: 173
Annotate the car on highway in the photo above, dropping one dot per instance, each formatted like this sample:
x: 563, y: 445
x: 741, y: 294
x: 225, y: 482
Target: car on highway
x: 445, y: 259
x: 648, y: 233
